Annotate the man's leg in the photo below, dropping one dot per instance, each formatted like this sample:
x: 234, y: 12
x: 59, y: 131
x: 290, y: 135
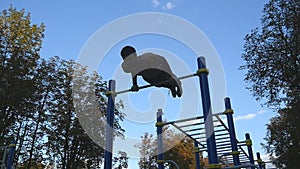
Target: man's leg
x: 175, y: 84
x: 160, y: 78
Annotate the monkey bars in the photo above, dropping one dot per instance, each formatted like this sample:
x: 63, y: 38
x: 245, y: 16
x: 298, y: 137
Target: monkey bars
x: 194, y: 129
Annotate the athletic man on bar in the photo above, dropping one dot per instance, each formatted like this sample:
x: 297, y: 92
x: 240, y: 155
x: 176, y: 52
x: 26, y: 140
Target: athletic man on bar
x: 152, y: 67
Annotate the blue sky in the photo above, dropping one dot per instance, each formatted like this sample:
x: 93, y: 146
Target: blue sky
x: 70, y: 24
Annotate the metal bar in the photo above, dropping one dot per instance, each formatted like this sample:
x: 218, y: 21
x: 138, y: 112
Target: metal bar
x: 185, y: 120
x: 220, y: 130
x: 225, y: 144
x: 221, y: 138
x: 11, y: 154
x: 249, y: 147
x: 230, y: 122
x: 189, y: 125
x: 224, y: 147
x: 207, y: 113
x: 225, y: 141
x: 109, y: 126
x: 150, y: 85
x: 159, y: 126
x: 259, y: 161
x: 193, y: 118
x: 197, y: 155
x: 191, y: 130
x: 222, y: 134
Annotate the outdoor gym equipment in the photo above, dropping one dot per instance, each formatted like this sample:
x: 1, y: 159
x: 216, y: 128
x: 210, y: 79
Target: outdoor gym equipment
x: 218, y: 140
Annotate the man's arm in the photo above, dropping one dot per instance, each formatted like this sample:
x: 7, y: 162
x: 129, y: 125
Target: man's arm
x: 134, y: 87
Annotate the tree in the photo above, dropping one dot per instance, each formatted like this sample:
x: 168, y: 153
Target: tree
x: 182, y: 153
x: 121, y: 161
x: 67, y: 143
x: 282, y: 139
x: 147, y: 152
x: 20, y: 43
x: 31, y: 150
x: 272, y: 57
x: 37, y: 105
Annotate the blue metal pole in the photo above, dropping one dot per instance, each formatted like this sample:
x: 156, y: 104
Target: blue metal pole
x: 259, y: 161
x: 11, y: 153
x: 159, y: 126
x: 197, y: 155
x: 207, y: 112
x: 231, y: 128
x: 249, y: 147
x: 110, y: 125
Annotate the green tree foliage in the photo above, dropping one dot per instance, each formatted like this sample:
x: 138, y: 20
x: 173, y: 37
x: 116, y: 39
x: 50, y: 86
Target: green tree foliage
x: 147, y: 150
x: 178, y: 148
x: 272, y: 56
x: 283, y: 137
x: 66, y: 140
x: 20, y: 43
x: 121, y: 161
x: 38, y: 107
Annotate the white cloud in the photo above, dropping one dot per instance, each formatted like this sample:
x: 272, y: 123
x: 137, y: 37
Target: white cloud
x: 169, y: 5
x: 261, y: 112
x: 155, y: 3
x: 245, y: 117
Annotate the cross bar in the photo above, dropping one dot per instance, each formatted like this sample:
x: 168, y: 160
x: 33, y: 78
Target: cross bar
x: 150, y: 85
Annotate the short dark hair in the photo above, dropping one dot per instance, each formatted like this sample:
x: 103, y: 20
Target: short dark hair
x: 126, y: 51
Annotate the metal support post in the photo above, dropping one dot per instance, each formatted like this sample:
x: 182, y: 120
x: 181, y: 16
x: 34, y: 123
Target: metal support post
x: 197, y: 155
x: 109, y: 125
x: 207, y: 114
x: 159, y: 125
x: 249, y: 147
x: 259, y: 160
x: 231, y: 128
x: 12, y: 148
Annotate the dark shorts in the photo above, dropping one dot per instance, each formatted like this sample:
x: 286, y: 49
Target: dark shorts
x: 158, y: 78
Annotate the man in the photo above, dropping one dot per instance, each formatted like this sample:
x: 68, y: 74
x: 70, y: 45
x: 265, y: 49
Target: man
x: 152, y: 67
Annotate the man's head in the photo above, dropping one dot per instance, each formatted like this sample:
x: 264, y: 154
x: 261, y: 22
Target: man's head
x: 127, y: 51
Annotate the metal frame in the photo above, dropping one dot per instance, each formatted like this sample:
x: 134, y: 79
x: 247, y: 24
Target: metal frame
x: 209, y: 132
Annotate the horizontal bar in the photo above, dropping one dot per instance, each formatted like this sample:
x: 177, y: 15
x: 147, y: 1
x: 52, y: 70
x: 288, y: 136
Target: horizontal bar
x: 191, y: 130
x: 193, y: 118
x: 184, y: 120
x: 220, y: 130
x: 222, y: 138
x: 226, y: 141
x: 190, y: 125
x: 222, y: 134
x: 195, y: 134
x: 150, y: 85
x: 224, y: 147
